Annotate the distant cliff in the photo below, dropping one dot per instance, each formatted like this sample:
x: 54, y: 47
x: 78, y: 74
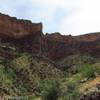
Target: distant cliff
x: 28, y: 37
x: 59, y: 46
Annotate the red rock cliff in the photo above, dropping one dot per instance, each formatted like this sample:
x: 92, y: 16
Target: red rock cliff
x: 59, y: 46
x: 14, y: 28
x: 28, y: 37
x: 23, y: 34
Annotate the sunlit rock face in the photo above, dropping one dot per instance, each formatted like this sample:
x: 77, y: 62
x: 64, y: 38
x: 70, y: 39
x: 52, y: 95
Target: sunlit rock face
x: 22, y: 34
x: 14, y: 28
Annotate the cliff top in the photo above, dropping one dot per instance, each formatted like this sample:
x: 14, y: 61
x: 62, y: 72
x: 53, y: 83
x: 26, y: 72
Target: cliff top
x: 17, y: 28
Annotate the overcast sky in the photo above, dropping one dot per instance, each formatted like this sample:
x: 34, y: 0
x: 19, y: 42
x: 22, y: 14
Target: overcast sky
x: 64, y: 16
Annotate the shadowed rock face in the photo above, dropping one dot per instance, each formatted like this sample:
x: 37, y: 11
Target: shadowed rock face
x: 59, y: 46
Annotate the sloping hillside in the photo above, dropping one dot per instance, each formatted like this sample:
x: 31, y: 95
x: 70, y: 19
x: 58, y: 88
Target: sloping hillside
x: 24, y: 75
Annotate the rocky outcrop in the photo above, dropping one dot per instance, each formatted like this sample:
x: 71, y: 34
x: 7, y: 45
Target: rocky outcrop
x: 91, y: 96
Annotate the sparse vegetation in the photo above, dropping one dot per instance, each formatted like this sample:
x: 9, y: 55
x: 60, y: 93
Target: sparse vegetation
x: 24, y: 76
x: 37, y: 79
x: 88, y: 70
x: 51, y: 90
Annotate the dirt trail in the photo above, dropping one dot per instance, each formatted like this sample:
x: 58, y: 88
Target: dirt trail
x: 89, y: 84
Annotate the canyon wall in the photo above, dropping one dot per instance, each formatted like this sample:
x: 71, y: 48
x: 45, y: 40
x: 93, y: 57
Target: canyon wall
x: 14, y: 28
x: 59, y: 46
x: 22, y: 34
x: 28, y: 37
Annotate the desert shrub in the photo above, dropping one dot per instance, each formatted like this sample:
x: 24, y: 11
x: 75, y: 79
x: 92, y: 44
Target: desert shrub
x: 7, y: 78
x: 50, y: 90
x: 72, y: 96
x: 97, y: 65
x: 70, y: 88
x: 20, y: 62
x: 71, y: 92
x: 88, y: 70
x: 8, y: 82
x: 72, y: 63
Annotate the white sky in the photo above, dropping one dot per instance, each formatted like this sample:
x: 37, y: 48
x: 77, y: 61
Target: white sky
x: 64, y: 16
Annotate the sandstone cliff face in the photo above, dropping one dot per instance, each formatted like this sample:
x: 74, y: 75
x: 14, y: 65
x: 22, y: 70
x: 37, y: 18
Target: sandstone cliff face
x: 22, y: 34
x: 89, y: 43
x: 14, y: 28
x: 59, y: 46
x: 28, y: 37
x: 89, y: 37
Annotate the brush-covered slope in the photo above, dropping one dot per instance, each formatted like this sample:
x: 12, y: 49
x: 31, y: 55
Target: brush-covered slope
x: 24, y: 75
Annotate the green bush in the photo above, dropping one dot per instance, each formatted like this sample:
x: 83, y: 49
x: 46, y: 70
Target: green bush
x: 71, y: 92
x: 72, y: 96
x: 50, y: 90
x: 88, y: 70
